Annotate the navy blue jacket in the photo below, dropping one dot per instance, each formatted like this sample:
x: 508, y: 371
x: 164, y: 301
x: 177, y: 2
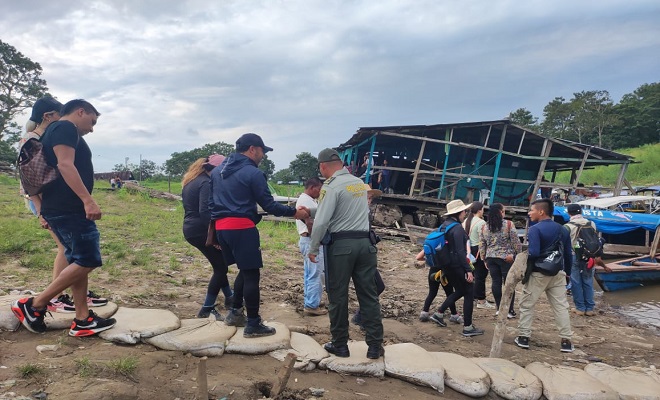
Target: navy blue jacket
x: 541, y: 235
x: 237, y: 186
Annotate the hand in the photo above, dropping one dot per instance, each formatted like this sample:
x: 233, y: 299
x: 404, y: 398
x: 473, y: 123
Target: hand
x: 469, y: 277
x: 302, y: 213
x: 509, y: 258
x: 92, y: 210
x: 312, y: 258
x: 43, y: 222
x: 217, y: 247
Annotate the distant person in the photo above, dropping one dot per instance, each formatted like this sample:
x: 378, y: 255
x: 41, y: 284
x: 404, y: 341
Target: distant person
x: 499, y: 245
x: 544, y: 238
x: 546, y: 191
x: 195, y: 193
x: 236, y: 189
x: 70, y: 210
x: 458, y: 270
x: 384, y: 178
x: 118, y: 182
x: 313, y: 275
x: 113, y: 183
x: 472, y: 225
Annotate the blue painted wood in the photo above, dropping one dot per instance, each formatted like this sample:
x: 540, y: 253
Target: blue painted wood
x: 620, y: 279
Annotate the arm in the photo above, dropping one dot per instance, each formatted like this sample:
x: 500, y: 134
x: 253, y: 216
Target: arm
x: 483, y: 244
x: 568, y: 251
x: 534, y: 242
x: 322, y: 218
x: 265, y: 199
x: 65, y: 163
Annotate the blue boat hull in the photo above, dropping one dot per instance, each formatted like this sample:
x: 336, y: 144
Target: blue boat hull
x: 614, y: 281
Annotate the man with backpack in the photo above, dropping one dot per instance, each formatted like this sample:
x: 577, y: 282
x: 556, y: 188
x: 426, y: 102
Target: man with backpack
x: 455, y: 266
x: 587, y: 248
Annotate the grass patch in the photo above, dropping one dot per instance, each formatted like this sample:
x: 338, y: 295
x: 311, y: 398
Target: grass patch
x: 124, y: 366
x: 85, y: 367
x: 29, y: 370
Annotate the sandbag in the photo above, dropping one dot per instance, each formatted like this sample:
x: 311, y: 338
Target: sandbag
x: 307, y: 350
x: 199, y: 337
x: 8, y: 320
x: 510, y: 380
x: 568, y: 383
x: 135, y: 324
x: 357, y: 364
x: 260, y: 345
x: 413, y: 364
x: 463, y: 375
x: 60, y: 320
x: 632, y: 383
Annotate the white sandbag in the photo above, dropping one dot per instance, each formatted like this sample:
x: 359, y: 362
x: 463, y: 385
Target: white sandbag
x: 199, y: 337
x: 413, y: 364
x: 260, y: 345
x: 463, y: 375
x: 60, y: 320
x: 632, y: 383
x: 357, y: 363
x: 307, y: 350
x: 8, y: 320
x: 510, y: 380
x: 134, y: 324
x: 568, y: 383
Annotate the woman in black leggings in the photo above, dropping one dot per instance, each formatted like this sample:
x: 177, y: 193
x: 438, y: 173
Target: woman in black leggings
x: 434, y: 284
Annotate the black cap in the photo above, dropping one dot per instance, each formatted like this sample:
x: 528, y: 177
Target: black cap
x: 251, y: 139
x: 574, y: 209
x: 44, y: 105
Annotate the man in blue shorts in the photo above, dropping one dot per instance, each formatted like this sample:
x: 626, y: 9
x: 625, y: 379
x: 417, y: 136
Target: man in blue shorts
x: 70, y: 211
x: 237, y: 186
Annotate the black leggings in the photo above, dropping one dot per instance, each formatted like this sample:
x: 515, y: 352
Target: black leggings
x: 246, y: 286
x: 433, y: 292
x: 219, y: 277
x: 480, y: 275
x: 463, y: 289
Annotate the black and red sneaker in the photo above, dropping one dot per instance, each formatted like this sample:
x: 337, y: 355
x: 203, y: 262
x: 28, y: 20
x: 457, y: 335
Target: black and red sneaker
x: 91, y: 325
x: 31, y: 318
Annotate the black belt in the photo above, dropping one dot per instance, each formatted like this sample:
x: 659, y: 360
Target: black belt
x: 349, y: 235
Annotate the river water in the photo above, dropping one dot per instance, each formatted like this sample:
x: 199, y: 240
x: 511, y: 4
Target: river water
x: 640, y: 304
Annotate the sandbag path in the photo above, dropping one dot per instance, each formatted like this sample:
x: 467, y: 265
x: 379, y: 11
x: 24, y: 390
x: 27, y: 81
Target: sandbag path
x: 474, y: 377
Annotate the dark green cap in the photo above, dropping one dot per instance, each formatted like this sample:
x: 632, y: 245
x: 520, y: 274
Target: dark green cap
x: 327, y: 155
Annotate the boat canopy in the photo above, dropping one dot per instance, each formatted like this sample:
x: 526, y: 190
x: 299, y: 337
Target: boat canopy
x: 608, y: 202
x: 615, y: 222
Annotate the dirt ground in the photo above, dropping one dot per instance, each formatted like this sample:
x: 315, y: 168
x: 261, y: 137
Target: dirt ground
x: 608, y: 336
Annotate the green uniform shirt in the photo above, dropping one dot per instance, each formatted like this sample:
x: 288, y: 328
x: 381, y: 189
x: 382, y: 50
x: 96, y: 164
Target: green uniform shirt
x: 342, y: 207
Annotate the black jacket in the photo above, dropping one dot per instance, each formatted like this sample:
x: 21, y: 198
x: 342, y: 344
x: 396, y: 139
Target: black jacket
x: 457, y: 245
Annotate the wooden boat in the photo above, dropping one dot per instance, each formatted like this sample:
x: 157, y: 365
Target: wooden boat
x: 629, y: 274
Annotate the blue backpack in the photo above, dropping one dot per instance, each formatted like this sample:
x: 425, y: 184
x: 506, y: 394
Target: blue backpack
x: 434, y: 243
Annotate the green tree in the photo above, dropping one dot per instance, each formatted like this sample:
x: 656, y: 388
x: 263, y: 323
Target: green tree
x: 593, y: 113
x: 283, y: 175
x: 638, y: 116
x: 523, y: 117
x: 267, y: 166
x: 304, y: 166
x: 557, y: 116
x: 178, y: 163
x: 20, y: 84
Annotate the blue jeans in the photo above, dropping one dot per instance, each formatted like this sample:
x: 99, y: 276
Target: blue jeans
x: 313, y: 274
x: 582, y: 286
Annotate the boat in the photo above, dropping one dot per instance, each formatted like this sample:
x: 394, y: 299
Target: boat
x: 629, y: 274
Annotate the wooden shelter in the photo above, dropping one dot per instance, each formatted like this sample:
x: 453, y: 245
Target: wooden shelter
x: 490, y: 161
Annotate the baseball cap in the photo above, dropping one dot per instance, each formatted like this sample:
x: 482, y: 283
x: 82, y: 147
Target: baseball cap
x: 252, y: 139
x: 215, y: 159
x: 42, y: 106
x: 574, y: 209
x: 327, y: 155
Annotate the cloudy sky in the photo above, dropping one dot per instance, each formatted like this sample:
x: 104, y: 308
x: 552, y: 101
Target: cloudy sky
x: 170, y: 76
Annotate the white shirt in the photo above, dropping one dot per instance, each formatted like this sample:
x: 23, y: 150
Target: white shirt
x: 305, y: 200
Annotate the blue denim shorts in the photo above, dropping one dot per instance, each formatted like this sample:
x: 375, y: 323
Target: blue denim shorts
x: 80, y: 238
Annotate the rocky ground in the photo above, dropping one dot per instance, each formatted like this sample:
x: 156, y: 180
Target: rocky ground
x: 90, y: 368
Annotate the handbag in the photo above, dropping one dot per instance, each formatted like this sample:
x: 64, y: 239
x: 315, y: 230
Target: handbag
x: 551, y: 261
x: 211, y: 238
x: 34, y: 171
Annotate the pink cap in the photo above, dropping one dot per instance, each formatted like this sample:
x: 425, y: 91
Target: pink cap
x: 215, y: 159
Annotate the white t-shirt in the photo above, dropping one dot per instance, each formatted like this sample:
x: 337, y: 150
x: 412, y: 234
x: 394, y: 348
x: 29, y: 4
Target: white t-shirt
x: 304, y: 200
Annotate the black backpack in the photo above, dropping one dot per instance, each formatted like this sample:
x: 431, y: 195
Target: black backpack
x: 588, y: 245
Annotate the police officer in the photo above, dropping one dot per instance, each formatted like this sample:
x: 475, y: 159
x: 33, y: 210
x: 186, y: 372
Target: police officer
x: 342, y: 220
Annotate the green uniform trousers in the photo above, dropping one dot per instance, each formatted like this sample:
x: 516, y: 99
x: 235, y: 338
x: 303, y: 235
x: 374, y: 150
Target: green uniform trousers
x: 356, y: 259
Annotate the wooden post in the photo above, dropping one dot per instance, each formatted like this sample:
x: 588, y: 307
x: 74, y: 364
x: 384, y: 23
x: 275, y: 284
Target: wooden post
x: 284, y: 375
x: 547, y: 147
x: 584, y: 161
x: 619, y: 179
x: 654, y: 245
x: 419, y: 162
x: 515, y: 275
x: 202, y: 384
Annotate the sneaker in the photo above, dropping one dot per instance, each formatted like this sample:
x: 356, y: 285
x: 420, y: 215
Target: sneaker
x: 375, y: 351
x: 522, y: 341
x: 339, y: 351
x: 235, y: 317
x: 424, y: 316
x: 485, y: 305
x: 229, y: 302
x: 205, y: 313
x: 438, y: 319
x: 92, y: 325
x: 457, y: 319
x: 94, y: 300
x: 472, y: 330
x: 63, y: 304
x: 566, y: 346
x: 258, y: 329
x: 590, y: 313
x: 511, y: 315
x: 32, y: 320
x: 315, y: 311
